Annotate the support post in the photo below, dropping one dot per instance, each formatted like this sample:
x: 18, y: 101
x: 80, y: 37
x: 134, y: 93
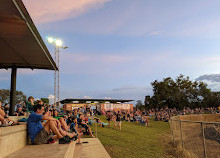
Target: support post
x: 171, y: 127
x: 13, y: 91
x: 203, y: 134
x: 181, y: 132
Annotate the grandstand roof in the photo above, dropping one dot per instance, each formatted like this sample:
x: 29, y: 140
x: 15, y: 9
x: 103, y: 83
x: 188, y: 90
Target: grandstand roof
x: 20, y: 42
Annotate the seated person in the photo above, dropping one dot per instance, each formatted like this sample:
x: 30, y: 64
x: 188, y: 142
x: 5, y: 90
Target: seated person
x: 2, y: 115
x: 82, y: 123
x: 74, y: 127
x: 56, y: 115
x: 65, y: 129
x: 41, y: 134
x: 19, y: 112
x: 6, y: 109
x: 18, y: 105
x: 30, y: 104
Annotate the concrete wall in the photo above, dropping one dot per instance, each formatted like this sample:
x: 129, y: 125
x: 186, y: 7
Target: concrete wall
x: 12, y: 138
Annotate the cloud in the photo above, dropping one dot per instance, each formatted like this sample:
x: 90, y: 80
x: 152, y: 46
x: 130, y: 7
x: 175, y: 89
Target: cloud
x: 54, y: 10
x: 154, y: 33
x: 87, y: 97
x: 81, y: 63
x: 129, y: 91
x: 51, y: 98
x: 107, y: 98
x: 144, y: 63
x: 214, y: 86
x: 212, y: 80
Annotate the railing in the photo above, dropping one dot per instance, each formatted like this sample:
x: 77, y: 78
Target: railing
x: 200, y: 138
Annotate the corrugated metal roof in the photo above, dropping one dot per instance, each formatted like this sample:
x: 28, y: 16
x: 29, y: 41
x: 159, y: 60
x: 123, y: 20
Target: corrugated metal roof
x: 95, y: 100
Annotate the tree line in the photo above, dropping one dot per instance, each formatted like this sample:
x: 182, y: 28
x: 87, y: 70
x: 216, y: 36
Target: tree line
x: 20, y: 96
x: 179, y: 93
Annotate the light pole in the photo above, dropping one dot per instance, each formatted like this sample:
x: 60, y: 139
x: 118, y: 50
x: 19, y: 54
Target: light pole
x: 58, y: 44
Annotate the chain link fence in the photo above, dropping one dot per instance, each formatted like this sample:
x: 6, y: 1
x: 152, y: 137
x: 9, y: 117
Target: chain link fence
x: 197, y: 134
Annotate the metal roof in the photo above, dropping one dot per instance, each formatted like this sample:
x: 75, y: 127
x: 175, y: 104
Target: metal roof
x: 95, y: 100
x: 21, y: 45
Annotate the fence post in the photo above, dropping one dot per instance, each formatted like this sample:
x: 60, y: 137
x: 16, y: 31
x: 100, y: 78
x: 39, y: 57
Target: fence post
x: 171, y: 127
x: 181, y: 134
x: 203, y: 134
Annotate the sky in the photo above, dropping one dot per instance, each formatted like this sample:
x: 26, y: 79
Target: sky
x: 116, y: 48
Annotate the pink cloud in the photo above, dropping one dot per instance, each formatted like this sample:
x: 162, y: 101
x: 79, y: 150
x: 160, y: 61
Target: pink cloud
x: 44, y: 11
x: 104, y: 59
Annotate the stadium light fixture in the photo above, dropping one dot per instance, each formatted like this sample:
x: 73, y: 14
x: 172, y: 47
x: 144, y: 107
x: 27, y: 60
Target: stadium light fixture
x: 50, y: 39
x: 58, y: 43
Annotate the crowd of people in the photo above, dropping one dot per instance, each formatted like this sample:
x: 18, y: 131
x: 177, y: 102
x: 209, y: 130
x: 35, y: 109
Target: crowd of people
x: 46, y: 123
x: 164, y: 114
x: 118, y: 116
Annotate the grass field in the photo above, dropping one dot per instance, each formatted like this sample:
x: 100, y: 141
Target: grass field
x: 134, y: 140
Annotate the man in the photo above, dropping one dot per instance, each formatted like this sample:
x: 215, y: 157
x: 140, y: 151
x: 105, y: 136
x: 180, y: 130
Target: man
x: 118, y: 121
x: 41, y: 134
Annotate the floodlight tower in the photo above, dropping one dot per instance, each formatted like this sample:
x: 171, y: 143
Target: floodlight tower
x: 58, y: 44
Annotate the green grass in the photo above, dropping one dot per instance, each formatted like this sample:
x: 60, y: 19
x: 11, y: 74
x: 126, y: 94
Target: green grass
x: 133, y: 140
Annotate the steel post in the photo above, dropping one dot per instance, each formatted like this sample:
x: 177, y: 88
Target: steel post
x: 13, y: 91
x: 181, y: 132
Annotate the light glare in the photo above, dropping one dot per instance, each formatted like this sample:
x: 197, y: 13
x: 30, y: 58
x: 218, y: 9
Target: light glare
x: 58, y: 43
x: 50, y: 39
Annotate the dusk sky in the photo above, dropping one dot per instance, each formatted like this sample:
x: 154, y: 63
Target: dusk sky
x: 118, y: 47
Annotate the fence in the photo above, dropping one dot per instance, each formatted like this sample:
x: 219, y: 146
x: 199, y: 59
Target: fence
x: 198, y: 134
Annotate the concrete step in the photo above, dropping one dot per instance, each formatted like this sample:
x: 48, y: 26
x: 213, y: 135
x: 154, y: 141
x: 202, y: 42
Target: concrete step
x: 92, y: 149
x: 12, y: 138
x: 45, y: 150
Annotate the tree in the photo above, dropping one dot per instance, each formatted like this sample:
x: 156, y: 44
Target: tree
x: 139, y: 105
x: 5, y: 96
x: 178, y: 93
x: 45, y: 100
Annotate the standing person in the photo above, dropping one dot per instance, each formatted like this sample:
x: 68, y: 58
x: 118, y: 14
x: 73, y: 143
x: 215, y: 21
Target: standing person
x: 118, y: 121
x: 109, y: 117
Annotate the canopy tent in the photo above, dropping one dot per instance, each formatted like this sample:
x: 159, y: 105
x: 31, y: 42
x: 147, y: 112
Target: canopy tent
x: 20, y: 42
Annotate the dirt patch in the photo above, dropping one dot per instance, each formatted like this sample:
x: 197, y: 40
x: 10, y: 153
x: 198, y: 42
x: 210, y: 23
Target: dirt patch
x: 172, y: 150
